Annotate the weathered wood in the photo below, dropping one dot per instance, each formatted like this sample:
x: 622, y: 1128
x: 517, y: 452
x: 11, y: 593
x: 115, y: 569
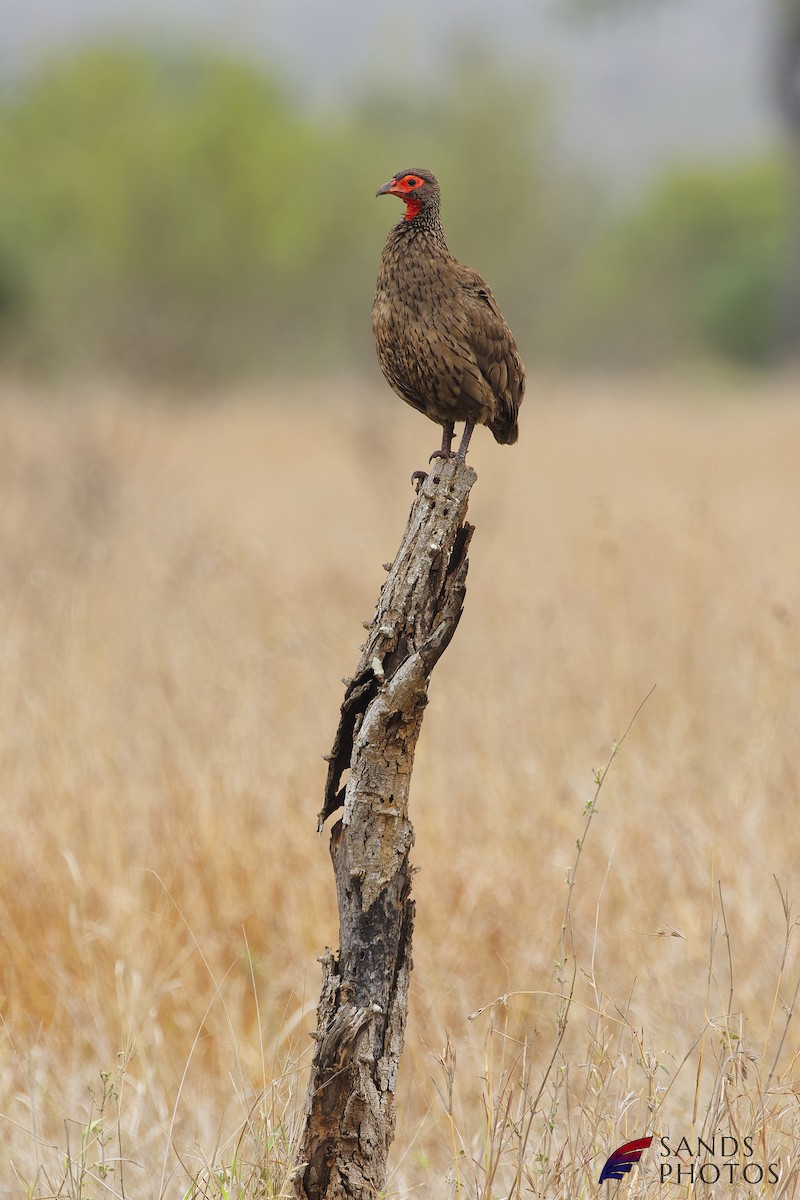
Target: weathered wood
x: 361, y: 1017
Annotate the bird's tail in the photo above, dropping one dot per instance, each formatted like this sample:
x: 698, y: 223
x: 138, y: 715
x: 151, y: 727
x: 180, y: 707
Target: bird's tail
x: 505, y: 431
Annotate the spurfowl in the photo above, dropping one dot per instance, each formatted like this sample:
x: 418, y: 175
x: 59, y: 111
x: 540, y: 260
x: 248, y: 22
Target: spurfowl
x: 441, y: 339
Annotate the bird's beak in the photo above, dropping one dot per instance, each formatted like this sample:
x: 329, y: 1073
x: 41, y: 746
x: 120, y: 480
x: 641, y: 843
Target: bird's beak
x: 386, y: 190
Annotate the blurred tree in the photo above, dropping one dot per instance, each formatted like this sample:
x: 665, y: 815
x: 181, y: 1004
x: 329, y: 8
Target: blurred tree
x: 184, y: 216
x: 787, y: 62
x: 786, y: 74
x: 698, y: 266
x: 160, y: 214
x: 181, y: 215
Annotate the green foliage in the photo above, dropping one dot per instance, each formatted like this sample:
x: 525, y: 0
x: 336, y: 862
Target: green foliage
x: 160, y: 213
x: 183, y: 216
x: 180, y: 215
x: 701, y: 266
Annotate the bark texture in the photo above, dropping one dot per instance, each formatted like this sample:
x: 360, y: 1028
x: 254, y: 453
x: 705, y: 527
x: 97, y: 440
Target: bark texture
x: 361, y: 1017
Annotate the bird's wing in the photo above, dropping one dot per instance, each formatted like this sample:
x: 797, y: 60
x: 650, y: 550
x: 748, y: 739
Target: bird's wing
x: 493, y: 345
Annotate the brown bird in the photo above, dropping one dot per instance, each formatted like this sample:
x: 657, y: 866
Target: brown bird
x: 441, y: 339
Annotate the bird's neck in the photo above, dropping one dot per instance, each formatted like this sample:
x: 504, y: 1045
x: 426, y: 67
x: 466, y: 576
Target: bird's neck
x: 424, y: 223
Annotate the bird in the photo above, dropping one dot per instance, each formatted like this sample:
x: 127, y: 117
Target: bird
x: 442, y: 342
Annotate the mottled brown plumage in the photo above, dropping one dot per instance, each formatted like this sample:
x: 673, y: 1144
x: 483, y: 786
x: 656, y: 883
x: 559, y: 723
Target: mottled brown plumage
x: 441, y: 339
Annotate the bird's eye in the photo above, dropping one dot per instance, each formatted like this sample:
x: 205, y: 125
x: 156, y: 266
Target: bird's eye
x: 411, y: 182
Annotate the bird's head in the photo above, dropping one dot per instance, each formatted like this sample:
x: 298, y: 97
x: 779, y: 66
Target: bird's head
x: 419, y: 189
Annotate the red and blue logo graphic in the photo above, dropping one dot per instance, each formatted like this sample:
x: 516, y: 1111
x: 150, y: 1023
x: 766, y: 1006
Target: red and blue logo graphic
x: 624, y: 1159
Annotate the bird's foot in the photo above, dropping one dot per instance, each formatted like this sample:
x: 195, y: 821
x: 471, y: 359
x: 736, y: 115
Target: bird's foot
x: 418, y: 478
x: 462, y: 449
x: 447, y: 441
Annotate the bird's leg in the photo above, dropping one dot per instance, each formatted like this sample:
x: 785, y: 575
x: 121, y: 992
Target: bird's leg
x: 448, y: 429
x: 462, y: 449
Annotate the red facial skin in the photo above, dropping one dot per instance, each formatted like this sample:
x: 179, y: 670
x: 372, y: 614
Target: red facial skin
x: 401, y: 188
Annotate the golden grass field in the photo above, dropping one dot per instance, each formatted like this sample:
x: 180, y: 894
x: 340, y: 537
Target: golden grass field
x: 182, y: 587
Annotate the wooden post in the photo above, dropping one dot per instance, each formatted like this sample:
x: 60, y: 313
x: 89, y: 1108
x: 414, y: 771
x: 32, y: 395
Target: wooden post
x: 361, y: 1017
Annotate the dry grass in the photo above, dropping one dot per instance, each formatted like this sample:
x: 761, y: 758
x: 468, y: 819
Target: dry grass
x: 181, y: 589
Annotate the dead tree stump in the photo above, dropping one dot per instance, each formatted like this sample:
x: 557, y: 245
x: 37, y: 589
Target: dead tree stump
x: 361, y: 1017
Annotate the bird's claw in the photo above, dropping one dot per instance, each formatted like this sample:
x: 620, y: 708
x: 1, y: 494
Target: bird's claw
x: 445, y: 454
x: 418, y: 478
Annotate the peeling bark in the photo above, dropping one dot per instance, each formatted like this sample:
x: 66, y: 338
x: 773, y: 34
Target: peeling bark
x: 361, y: 1016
